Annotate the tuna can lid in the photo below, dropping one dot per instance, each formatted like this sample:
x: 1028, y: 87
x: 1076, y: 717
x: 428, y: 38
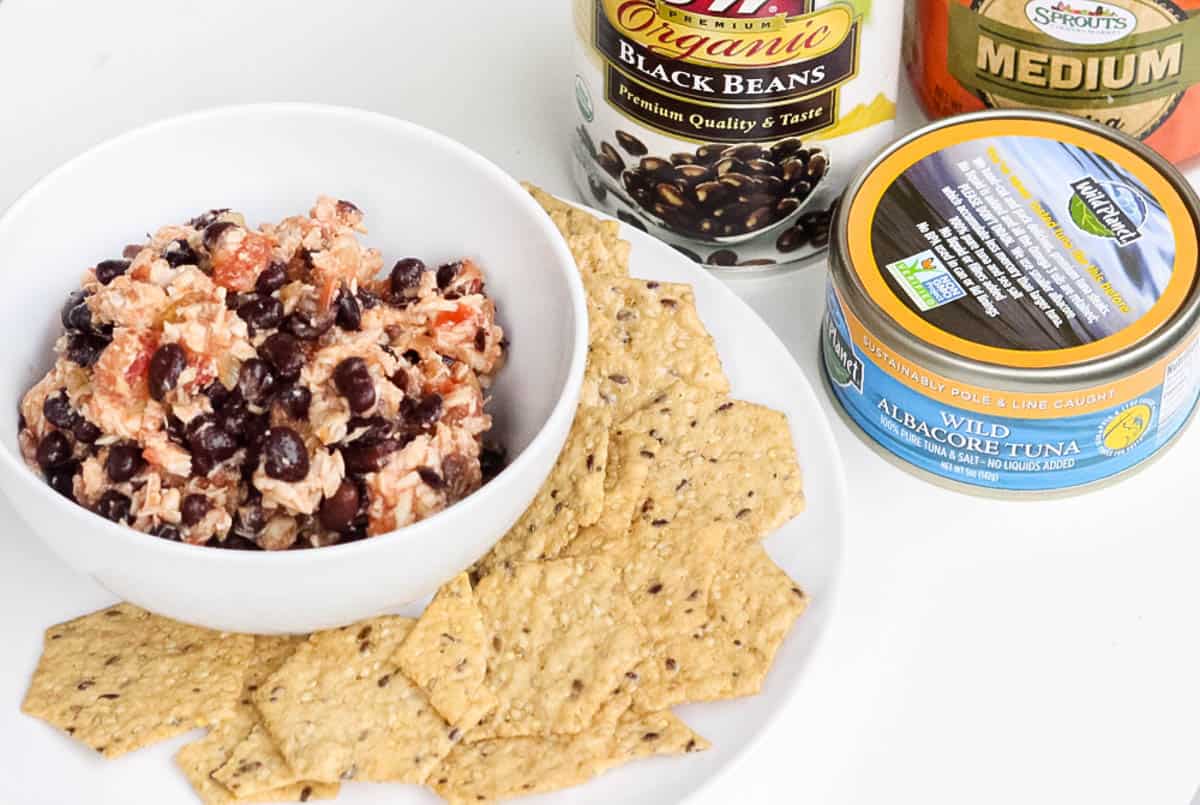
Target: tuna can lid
x: 1028, y: 249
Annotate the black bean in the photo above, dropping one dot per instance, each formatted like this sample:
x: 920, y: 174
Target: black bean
x: 62, y: 479
x: 367, y: 300
x: 123, y: 462
x: 256, y: 381
x: 114, y: 506
x: 85, y: 348
x: 109, y: 270
x: 166, y: 531
x: 817, y: 165
x: 166, y: 365
x: 308, y: 326
x: 631, y: 144
x: 431, y: 478
x: 361, y: 459
x: 58, y: 411
x: 209, y: 442
x: 261, y: 312
x: 370, y: 430
x: 220, y: 396
x: 723, y: 257
x: 406, y: 278
x: 284, y: 353
x: 791, y: 240
x: 194, y: 508
x: 85, y: 431
x: 610, y: 160
x: 205, y: 218
x: 286, y: 455
x: 233, y: 418
x: 353, y: 381
x: 255, y: 432
x: 446, y: 274
x: 491, y: 461
x: 423, y: 413
x: 54, y: 450
x: 215, y: 231
x: 295, y: 401
x: 338, y: 511
x: 708, y: 154
x: 76, y: 315
x: 349, y: 314
x: 180, y: 253
x: 272, y: 278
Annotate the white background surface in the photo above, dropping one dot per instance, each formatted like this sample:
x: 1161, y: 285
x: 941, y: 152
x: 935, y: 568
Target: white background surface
x: 983, y: 651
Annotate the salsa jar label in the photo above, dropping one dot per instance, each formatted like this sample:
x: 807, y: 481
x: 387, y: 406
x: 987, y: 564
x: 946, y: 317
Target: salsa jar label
x: 1128, y: 64
x: 728, y: 127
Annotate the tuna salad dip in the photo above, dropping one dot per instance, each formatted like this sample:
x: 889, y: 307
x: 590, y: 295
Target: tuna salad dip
x: 268, y: 388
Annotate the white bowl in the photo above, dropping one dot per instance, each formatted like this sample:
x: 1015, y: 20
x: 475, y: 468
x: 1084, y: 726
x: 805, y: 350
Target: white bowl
x: 423, y: 196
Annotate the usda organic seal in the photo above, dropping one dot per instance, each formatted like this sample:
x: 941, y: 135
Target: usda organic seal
x: 1014, y: 302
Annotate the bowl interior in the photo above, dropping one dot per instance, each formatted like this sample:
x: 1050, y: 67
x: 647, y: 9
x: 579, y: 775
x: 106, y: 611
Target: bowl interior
x: 423, y: 196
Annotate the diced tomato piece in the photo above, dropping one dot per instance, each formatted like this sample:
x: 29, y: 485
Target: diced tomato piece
x: 457, y: 316
x: 238, y: 269
x: 139, y: 367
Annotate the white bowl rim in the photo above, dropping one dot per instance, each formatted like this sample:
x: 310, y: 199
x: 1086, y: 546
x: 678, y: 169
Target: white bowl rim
x: 473, y: 504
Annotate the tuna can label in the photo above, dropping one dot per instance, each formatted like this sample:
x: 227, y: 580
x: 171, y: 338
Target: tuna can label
x: 1124, y: 63
x: 729, y: 127
x: 1040, y: 442
x: 1022, y: 245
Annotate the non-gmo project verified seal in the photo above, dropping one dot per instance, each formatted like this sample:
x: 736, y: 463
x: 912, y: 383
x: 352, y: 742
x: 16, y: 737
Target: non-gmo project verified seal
x: 926, y: 280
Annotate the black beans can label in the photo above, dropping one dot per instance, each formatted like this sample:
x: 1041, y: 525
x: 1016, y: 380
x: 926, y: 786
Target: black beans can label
x: 729, y: 128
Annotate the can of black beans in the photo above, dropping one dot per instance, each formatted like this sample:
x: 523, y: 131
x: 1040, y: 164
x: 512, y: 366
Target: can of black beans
x: 730, y: 128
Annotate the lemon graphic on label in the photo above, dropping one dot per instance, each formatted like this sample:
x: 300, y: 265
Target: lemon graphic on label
x: 1127, y: 428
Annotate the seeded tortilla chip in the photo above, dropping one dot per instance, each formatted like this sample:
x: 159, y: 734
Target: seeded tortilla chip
x: 749, y: 473
x: 239, y: 744
x: 446, y: 654
x: 503, y: 768
x: 572, y: 496
x: 122, y: 678
x: 563, y: 636
x: 752, y: 606
x: 340, y: 708
x: 647, y: 337
x: 200, y: 758
x: 595, y: 244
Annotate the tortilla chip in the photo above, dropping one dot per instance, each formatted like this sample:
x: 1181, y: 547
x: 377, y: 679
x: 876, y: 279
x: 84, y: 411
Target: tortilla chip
x: 218, y: 758
x: 646, y: 336
x: 340, y: 708
x: 122, y: 678
x: 594, y: 243
x: 572, y: 496
x: 752, y: 605
x: 511, y: 767
x: 563, y: 636
x: 446, y: 654
x: 750, y: 472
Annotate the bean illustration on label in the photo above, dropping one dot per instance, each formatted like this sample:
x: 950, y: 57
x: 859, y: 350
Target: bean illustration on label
x: 728, y: 127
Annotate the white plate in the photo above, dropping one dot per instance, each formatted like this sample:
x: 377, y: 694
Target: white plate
x: 41, y: 766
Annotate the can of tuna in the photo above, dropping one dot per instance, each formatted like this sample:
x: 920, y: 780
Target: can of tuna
x: 1013, y: 302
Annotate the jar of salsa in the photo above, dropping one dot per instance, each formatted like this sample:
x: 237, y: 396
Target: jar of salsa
x: 1132, y: 65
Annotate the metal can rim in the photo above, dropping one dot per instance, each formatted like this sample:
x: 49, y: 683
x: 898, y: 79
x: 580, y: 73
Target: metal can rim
x: 1107, y: 368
